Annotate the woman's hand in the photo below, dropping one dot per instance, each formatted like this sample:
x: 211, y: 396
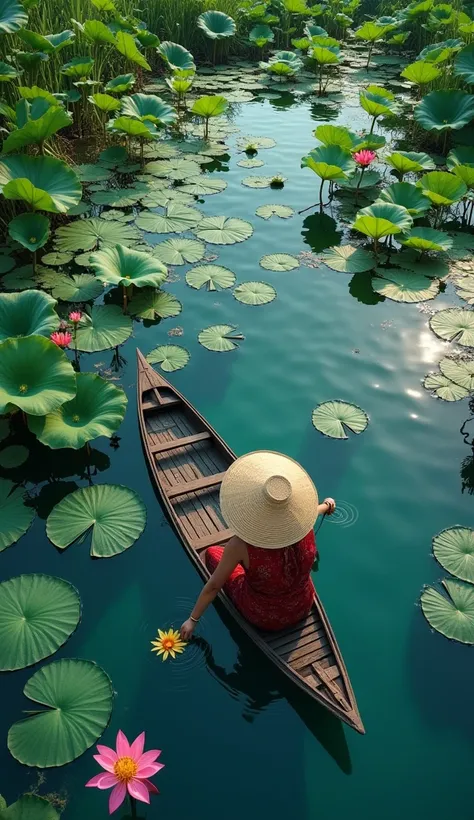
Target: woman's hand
x: 331, y: 504
x: 187, y: 630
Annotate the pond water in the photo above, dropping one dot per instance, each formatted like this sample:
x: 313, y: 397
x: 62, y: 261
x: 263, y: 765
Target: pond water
x: 235, y: 737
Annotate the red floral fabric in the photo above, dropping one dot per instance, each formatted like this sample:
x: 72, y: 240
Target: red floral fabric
x: 276, y: 590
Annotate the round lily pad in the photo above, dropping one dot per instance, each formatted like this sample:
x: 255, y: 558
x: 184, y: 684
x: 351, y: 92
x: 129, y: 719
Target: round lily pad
x: 115, y: 514
x: 348, y: 259
x: 56, y: 258
x: 256, y: 142
x: 223, y: 230
x: 169, y: 357
x: 203, y: 185
x: 153, y: 304
x: 38, y: 613
x: 79, y: 697
x: 267, y: 211
x: 220, y: 338
x: 454, y: 324
x: 257, y: 182
x: 255, y: 293
x: 404, y: 286
x: 453, y: 548
x: 251, y: 163
x: 86, y: 234
x: 334, y: 418
x: 179, y: 251
x: 453, y: 614
x: 279, y: 261
x: 81, y: 287
x: 459, y: 371
x: 177, y: 218
x: 13, y: 456
x: 28, y: 806
x: 444, y: 388
x: 15, y: 517
x: 210, y: 277
x: 104, y: 327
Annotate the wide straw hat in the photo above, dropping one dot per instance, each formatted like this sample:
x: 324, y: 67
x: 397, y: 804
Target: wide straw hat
x: 268, y: 500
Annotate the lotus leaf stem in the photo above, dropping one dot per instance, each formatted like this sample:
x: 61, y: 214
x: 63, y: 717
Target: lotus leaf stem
x: 321, y: 203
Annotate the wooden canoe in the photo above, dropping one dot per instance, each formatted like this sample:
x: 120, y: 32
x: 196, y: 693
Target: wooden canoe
x: 188, y: 459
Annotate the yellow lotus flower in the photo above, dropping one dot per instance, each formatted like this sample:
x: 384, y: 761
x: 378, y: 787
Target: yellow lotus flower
x: 168, y: 643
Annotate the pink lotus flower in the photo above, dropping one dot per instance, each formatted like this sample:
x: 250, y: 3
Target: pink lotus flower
x: 364, y: 158
x: 75, y: 316
x: 128, y: 770
x: 61, y: 339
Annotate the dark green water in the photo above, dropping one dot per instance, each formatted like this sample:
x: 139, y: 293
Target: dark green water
x: 236, y: 740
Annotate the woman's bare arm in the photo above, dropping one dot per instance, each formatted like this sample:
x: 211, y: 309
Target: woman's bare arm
x: 233, y: 554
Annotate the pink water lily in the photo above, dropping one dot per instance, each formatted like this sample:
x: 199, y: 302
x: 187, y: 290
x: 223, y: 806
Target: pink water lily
x: 61, y: 339
x: 75, y: 316
x: 127, y: 770
x: 365, y: 157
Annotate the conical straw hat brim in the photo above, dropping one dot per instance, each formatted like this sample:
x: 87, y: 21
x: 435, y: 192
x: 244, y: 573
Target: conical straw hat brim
x: 254, y: 517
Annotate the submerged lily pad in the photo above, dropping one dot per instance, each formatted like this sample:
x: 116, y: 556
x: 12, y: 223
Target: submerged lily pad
x: 212, y: 277
x: 451, y: 615
x: 223, y: 230
x: 279, y: 261
x: 404, y: 286
x: 179, y: 251
x: 153, y: 304
x: 79, y: 696
x: 169, y: 357
x: 38, y: 613
x: 453, y: 548
x: 255, y: 293
x: 267, y: 211
x: 114, y: 514
x: 334, y: 418
x: 220, y: 338
x: 103, y: 328
x: 454, y: 324
x: 348, y: 259
x: 15, y: 517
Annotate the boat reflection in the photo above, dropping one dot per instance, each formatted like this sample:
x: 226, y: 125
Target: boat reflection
x: 262, y: 684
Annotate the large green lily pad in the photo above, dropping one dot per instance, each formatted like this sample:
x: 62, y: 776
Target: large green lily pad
x: 115, y: 515
x: 348, y: 259
x: 79, y: 698
x: 102, y: 328
x: 80, y: 287
x: 404, y: 286
x: 38, y: 613
x: 27, y: 313
x: 86, y: 234
x: 459, y: 371
x: 334, y: 418
x: 122, y: 266
x: 453, y: 614
x: 268, y: 211
x: 15, y: 517
x: 444, y: 388
x: 220, y: 338
x: 169, y: 357
x: 223, y: 230
x: 454, y: 324
x: 279, y: 262
x: 210, y: 277
x: 179, y: 251
x: 44, y: 183
x: 177, y: 218
x: 98, y: 409
x: 29, y: 807
x: 35, y: 375
x: 453, y: 548
x: 151, y: 304
x: 255, y: 293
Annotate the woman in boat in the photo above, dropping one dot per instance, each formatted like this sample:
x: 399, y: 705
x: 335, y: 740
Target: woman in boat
x: 271, y: 505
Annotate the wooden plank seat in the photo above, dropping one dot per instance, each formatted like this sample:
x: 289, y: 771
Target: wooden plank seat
x: 184, y: 441
x: 204, y: 483
x: 210, y: 540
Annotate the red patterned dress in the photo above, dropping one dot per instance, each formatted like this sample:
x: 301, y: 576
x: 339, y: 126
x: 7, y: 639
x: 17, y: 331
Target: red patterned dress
x: 276, y: 590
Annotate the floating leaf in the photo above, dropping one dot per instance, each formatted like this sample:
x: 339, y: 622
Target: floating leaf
x: 179, y: 251
x: 211, y: 277
x: 251, y: 163
x: 38, y: 613
x: 56, y: 258
x: 98, y: 409
x: 257, y: 143
x: 29, y: 807
x: 203, y: 185
x: 348, y: 259
x: 86, y: 234
x: 255, y: 293
x: 404, y: 286
x: 452, y: 616
x: 169, y: 357
x: 257, y: 182
x: 26, y: 314
x: 35, y: 376
x: 93, y: 173
x: 103, y: 328
x: 444, y: 388
x: 15, y: 517
x: 175, y: 168
x: 459, y: 371
x: 115, y: 515
x: 334, y: 418
x: 220, y: 338
x: 454, y: 324
x: 279, y: 261
x: 267, y: 211
x: 453, y: 548
x: 82, y: 287
x: 222, y: 230
x: 13, y: 456
x: 177, y: 218
x: 155, y: 304
x: 80, y: 697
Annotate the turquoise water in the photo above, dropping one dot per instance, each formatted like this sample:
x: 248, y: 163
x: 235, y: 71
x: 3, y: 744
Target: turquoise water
x: 235, y: 737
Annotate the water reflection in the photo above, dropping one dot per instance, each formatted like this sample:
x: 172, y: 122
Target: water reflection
x: 261, y: 684
x: 320, y: 232
x: 360, y: 287
x: 467, y: 465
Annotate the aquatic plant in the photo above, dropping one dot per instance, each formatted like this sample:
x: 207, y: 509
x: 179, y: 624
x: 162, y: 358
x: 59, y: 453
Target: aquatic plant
x: 378, y: 102
x: 61, y: 338
x: 35, y: 376
x: 216, y: 26
x: 330, y: 163
x: 445, y: 111
x: 177, y: 57
x: 209, y: 107
x: 370, y: 33
x: 128, y: 268
x: 29, y: 313
x: 168, y: 644
x: 382, y: 219
x: 128, y: 769
x: 261, y: 35
x: 323, y: 56
x: 406, y: 162
x: 44, y: 183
